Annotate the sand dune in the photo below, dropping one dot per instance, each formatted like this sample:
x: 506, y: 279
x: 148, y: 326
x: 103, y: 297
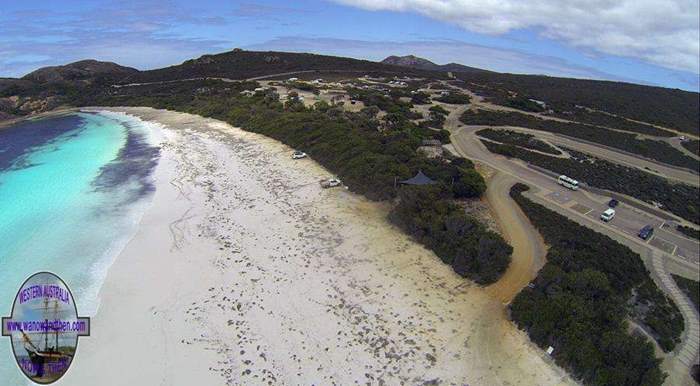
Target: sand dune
x: 244, y: 271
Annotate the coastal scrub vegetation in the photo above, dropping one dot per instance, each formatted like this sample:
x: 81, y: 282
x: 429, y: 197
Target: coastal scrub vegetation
x: 303, y: 86
x: 454, y: 98
x: 652, y: 149
x: 420, y: 98
x: 688, y: 231
x: 522, y: 103
x: 437, y: 117
x: 692, y: 145
x: 598, y: 118
x: 690, y: 288
x: 389, y: 104
x: 582, y: 299
x: 369, y: 155
x: 676, y: 109
x: 677, y: 198
x: 518, y: 139
x: 430, y: 216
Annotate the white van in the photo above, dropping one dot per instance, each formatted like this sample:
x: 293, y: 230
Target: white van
x: 568, y: 182
x: 608, y: 214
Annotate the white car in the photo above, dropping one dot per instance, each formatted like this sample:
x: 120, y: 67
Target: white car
x: 298, y: 155
x: 608, y: 214
x: 330, y: 183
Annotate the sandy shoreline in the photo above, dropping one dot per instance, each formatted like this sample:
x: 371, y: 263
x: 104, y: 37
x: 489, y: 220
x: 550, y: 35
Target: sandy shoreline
x: 244, y: 271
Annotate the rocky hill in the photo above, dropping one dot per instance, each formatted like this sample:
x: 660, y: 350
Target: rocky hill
x: 84, y: 70
x: 49, y: 87
x: 240, y: 64
x: 413, y: 61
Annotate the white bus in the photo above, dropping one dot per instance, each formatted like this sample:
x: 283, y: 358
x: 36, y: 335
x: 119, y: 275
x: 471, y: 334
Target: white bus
x: 568, y: 182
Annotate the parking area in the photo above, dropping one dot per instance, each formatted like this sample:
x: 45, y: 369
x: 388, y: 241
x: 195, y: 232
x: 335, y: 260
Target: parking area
x: 630, y: 220
x: 561, y: 196
x: 686, y: 248
x: 662, y: 245
x: 581, y: 208
x: 688, y: 255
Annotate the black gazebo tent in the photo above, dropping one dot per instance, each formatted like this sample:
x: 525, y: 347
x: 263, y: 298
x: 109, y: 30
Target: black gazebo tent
x: 419, y: 179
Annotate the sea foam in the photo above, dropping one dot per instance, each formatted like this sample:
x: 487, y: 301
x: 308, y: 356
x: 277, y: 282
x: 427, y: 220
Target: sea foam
x: 73, y: 190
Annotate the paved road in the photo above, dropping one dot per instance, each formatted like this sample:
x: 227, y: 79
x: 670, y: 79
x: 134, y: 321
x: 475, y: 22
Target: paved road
x: 585, y: 208
x: 670, y: 172
x: 230, y: 80
x: 628, y: 220
x: 676, y: 142
x: 688, y: 350
x: 612, y: 154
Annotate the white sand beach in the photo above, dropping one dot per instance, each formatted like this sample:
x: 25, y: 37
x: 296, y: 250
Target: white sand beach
x: 244, y: 271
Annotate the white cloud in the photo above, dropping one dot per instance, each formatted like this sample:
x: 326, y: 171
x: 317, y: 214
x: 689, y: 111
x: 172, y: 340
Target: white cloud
x: 661, y: 32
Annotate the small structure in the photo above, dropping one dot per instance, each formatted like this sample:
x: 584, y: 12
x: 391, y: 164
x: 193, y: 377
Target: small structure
x: 432, y: 142
x: 419, y: 179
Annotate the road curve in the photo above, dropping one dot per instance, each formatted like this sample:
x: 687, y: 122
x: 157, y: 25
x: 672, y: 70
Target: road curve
x: 464, y: 142
x: 528, y: 247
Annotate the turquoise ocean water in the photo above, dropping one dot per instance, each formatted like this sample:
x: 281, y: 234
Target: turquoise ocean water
x: 72, y: 191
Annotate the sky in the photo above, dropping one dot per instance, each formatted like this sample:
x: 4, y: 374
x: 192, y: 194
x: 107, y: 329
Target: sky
x: 653, y: 42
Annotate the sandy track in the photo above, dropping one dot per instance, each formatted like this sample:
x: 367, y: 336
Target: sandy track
x: 529, y: 249
x: 465, y: 143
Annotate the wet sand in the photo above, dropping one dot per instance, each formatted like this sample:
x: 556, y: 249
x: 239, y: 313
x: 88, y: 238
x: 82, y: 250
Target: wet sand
x: 245, y: 271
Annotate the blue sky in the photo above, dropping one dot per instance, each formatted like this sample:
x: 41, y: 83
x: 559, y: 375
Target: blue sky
x: 642, y: 41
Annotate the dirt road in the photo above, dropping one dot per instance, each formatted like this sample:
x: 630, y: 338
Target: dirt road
x: 528, y: 247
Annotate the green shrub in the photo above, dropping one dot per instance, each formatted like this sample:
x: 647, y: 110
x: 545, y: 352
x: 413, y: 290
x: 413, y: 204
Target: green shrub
x: 582, y: 297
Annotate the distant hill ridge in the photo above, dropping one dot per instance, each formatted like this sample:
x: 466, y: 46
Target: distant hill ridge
x: 240, y: 64
x: 413, y: 61
x: 667, y: 107
x: 79, y: 71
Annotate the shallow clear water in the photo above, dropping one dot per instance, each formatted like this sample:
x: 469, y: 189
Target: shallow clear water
x: 72, y: 191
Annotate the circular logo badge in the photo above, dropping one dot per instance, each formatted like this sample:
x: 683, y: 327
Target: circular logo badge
x: 44, y: 328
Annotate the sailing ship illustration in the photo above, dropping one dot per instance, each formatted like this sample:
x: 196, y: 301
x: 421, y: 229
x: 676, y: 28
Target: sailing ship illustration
x: 48, y: 361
